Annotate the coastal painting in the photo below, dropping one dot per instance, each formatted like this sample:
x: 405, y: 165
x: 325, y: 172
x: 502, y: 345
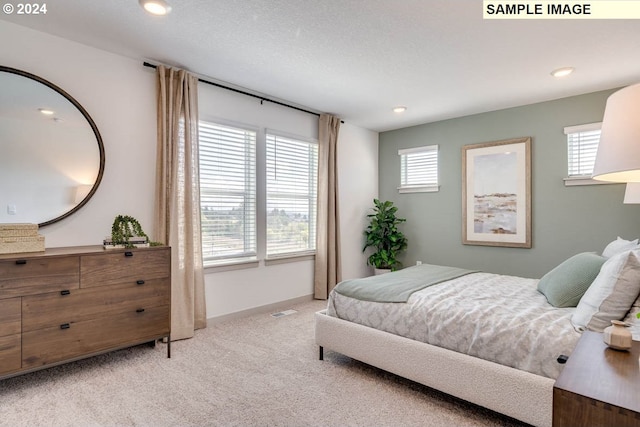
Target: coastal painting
x: 496, y: 193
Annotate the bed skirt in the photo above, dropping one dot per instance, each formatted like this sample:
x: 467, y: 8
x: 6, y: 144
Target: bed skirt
x: 518, y: 394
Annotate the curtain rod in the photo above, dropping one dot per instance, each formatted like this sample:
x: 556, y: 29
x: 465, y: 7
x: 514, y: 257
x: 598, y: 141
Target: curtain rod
x: 261, y: 98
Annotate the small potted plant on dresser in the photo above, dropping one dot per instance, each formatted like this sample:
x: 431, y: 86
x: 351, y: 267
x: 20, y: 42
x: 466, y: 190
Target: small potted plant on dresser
x: 126, y: 232
x: 383, y: 235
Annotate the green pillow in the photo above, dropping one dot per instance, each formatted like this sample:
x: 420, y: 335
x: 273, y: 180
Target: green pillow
x: 564, y: 285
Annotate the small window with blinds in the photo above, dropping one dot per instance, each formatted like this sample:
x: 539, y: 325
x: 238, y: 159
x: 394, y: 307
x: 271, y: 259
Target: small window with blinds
x: 419, y: 169
x: 292, y: 168
x: 227, y: 192
x: 582, y: 147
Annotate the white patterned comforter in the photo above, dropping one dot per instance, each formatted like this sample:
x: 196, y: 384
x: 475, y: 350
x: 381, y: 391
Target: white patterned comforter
x: 499, y: 318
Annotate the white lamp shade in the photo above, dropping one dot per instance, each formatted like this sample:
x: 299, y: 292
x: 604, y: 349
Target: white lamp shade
x: 618, y: 158
x: 632, y: 193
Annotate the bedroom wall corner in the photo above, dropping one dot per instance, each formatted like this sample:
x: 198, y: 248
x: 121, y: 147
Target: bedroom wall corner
x: 358, y: 186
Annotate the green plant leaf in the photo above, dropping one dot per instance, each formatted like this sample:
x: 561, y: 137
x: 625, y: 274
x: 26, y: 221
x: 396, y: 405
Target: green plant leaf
x: 123, y: 228
x: 383, y: 236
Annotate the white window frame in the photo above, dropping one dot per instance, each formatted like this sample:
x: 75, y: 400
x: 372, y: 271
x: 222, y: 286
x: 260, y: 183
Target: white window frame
x: 575, y: 132
x: 249, y: 257
x: 260, y: 255
x: 429, y: 169
x: 310, y: 198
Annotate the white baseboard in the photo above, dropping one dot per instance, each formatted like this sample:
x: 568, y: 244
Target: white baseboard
x: 269, y: 308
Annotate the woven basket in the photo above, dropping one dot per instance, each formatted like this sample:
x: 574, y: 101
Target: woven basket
x: 18, y: 230
x: 16, y: 245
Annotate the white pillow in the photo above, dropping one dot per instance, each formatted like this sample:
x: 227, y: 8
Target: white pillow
x: 611, y: 294
x: 631, y: 317
x: 619, y: 245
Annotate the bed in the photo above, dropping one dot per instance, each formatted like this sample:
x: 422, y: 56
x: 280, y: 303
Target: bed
x: 493, y: 340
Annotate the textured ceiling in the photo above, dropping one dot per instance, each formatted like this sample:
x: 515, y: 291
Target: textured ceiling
x: 360, y: 58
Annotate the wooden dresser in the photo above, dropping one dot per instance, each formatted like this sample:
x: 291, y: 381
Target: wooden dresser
x: 66, y: 304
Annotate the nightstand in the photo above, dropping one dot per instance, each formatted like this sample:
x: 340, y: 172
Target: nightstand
x: 598, y: 386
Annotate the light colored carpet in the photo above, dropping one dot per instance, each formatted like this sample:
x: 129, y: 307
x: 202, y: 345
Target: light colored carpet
x: 255, y: 371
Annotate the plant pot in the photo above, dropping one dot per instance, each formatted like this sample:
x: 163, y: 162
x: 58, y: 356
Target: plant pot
x: 379, y: 271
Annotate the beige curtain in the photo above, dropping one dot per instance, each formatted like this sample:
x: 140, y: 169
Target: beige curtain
x: 328, y: 271
x: 177, y: 210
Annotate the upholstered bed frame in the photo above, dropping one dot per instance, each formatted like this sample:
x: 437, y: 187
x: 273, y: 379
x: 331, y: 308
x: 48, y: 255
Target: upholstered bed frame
x: 518, y: 394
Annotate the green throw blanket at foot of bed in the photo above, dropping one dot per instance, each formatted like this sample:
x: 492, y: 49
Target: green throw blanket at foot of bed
x: 399, y: 285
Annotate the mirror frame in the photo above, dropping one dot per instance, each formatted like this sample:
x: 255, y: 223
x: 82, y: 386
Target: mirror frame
x: 94, y: 128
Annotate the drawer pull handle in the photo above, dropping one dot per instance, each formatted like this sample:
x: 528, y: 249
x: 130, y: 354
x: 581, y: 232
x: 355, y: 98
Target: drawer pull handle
x: 65, y: 292
x: 65, y: 326
x: 140, y: 282
x: 128, y: 253
x: 140, y: 310
x: 21, y: 262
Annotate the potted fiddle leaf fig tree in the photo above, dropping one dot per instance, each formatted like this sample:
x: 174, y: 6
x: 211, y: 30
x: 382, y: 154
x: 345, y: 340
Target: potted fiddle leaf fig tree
x: 383, y: 235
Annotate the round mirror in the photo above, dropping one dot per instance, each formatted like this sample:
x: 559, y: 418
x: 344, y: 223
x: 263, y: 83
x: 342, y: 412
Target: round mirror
x: 51, y: 153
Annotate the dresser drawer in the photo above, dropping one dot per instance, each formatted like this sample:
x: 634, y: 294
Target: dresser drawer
x: 32, y: 275
x: 124, y: 266
x: 44, y: 346
x: 10, y: 317
x: 54, y: 309
x: 10, y: 338
x: 10, y: 354
x: 50, y: 345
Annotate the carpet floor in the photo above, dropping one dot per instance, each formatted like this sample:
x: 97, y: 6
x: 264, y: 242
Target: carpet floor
x: 256, y: 371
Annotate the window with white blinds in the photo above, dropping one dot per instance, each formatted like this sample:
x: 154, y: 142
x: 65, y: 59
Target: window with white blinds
x: 227, y: 191
x: 582, y: 147
x: 292, y: 168
x: 418, y: 169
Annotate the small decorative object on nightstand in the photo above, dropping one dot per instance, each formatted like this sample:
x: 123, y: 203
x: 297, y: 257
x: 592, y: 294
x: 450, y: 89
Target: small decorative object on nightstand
x: 617, y: 336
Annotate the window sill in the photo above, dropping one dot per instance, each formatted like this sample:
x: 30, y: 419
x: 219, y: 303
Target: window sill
x: 284, y: 259
x: 231, y: 265
x: 419, y: 189
x: 243, y: 264
x: 570, y: 182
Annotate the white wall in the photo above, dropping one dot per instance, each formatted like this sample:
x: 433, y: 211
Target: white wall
x: 119, y: 94
x: 358, y: 186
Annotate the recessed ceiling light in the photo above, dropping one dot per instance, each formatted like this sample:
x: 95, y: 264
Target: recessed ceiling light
x: 399, y: 109
x: 155, y: 7
x: 45, y: 111
x: 562, y: 72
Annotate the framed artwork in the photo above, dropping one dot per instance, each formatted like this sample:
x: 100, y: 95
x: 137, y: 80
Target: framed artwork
x: 496, y: 193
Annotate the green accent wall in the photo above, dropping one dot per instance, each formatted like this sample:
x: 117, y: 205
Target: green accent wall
x: 565, y: 220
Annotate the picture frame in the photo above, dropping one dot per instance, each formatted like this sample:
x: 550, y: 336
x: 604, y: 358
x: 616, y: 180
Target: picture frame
x: 496, y: 193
